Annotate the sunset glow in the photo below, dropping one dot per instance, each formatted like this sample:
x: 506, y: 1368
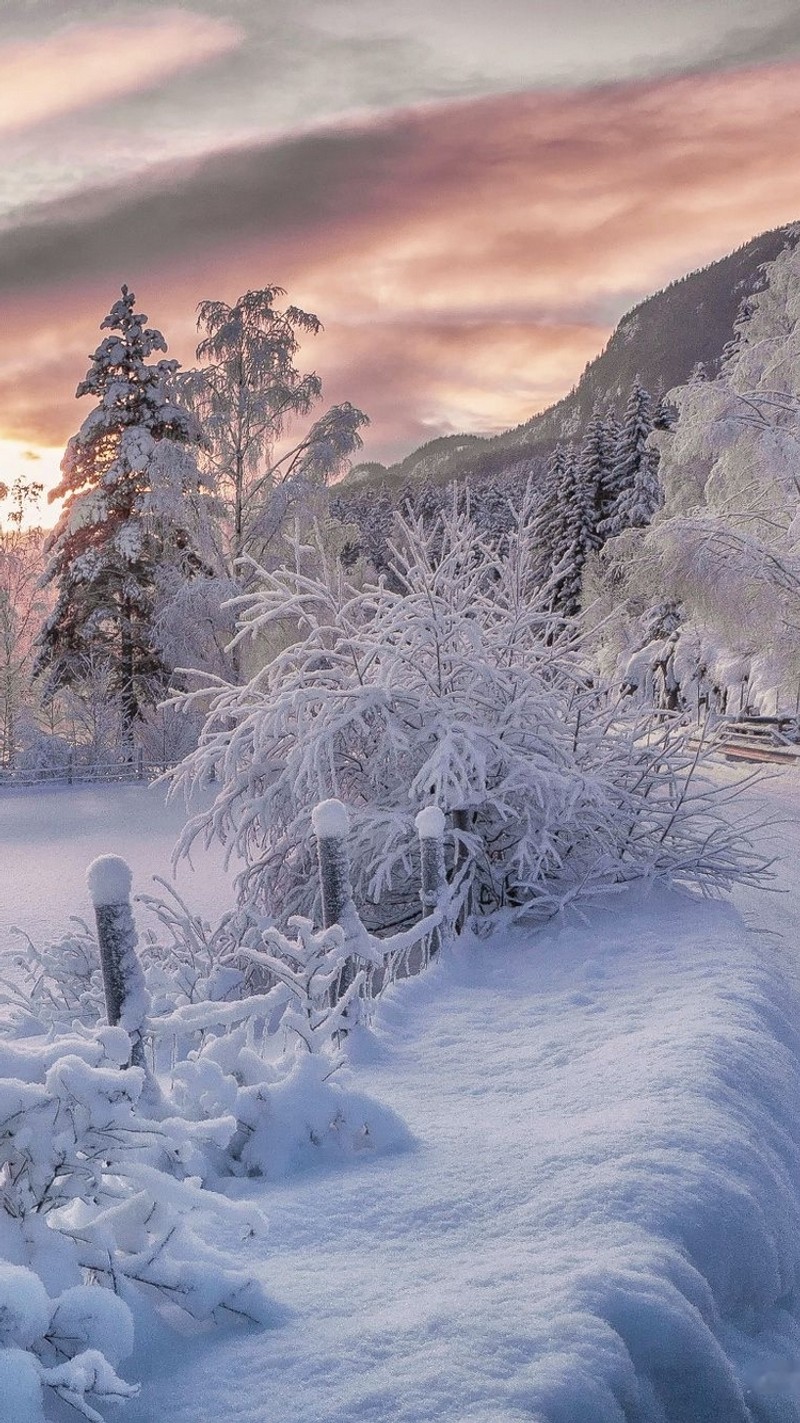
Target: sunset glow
x: 86, y: 65
x: 468, y: 252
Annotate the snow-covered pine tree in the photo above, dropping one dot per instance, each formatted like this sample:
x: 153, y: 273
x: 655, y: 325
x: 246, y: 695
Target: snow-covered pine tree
x: 133, y: 504
x: 612, y: 433
x: 576, y: 510
x: 592, y: 476
x: 634, y: 479
x: 665, y: 413
x: 551, y: 515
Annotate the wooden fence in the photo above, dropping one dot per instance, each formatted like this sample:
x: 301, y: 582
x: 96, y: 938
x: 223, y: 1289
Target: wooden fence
x: 74, y: 772
x: 369, y: 964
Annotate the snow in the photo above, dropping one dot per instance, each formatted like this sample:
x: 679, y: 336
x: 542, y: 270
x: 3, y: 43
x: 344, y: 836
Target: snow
x: 109, y: 880
x: 50, y: 836
x: 330, y: 820
x: 430, y: 823
x: 600, y: 1219
x: 584, y: 1207
x: 86, y: 1313
x: 24, y: 1307
x: 20, y: 1388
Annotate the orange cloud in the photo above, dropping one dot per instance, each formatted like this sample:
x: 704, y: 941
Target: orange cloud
x: 467, y: 259
x: 87, y: 64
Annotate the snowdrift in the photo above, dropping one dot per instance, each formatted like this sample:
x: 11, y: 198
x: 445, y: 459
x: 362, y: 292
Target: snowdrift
x: 600, y: 1222
x: 650, y: 1178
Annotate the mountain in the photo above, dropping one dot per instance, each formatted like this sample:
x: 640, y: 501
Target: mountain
x: 661, y: 340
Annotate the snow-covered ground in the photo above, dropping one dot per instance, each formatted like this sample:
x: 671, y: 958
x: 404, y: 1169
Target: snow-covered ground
x: 600, y: 1219
x: 49, y: 837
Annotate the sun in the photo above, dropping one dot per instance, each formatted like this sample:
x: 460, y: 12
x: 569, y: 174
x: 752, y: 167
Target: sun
x: 33, y: 464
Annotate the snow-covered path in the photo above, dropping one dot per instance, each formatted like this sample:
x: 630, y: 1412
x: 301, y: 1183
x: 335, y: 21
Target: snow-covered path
x: 600, y: 1220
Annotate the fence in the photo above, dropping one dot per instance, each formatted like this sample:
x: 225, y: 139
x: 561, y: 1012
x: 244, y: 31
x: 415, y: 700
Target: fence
x: 367, y: 963
x: 72, y: 771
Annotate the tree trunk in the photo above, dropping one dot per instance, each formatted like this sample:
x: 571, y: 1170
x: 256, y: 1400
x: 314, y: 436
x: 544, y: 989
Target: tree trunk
x: 130, y: 703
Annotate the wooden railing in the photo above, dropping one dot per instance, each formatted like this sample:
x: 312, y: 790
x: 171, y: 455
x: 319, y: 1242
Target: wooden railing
x: 365, y: 965
x: 73, y: 771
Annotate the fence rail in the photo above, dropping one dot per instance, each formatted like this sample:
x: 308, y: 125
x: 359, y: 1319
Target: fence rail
x: 73, y: 772
x: 754, y: 738
x: 365, y: 964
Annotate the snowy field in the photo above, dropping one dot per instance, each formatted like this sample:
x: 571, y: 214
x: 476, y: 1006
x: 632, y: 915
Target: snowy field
x: 599, y: 1221
x: 48, y: 838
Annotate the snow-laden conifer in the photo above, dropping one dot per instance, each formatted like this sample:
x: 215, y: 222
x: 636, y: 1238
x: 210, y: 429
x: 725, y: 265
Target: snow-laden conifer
x: 634, y: 486
x: 133, y: 500
x: 559, y: 542
x: 592, y: 476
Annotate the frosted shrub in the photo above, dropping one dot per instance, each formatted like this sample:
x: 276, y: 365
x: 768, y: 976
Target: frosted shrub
x: 93, y: 1189
x: 310, y: 967
x: 40, y: 1346
x: 185, y: 959
x: 448, y: 683
x: 55, y: 986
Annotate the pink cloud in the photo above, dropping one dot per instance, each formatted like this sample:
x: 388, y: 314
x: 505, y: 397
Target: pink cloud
x: 87, y: 64
x: 467, y: 259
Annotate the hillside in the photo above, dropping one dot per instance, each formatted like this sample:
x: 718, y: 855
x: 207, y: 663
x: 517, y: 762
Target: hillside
x: 722, y: 555
x: 662, y: 340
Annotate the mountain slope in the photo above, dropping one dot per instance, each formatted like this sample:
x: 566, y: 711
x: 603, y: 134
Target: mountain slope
x: 661, y: 340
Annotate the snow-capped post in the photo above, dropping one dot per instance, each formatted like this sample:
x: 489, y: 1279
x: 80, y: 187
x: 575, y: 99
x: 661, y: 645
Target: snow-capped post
x: 331, y: 824
x: 430, y: 825
x: 109, y: 880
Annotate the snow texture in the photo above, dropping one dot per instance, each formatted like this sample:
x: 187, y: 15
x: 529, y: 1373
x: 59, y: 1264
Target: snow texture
x: 109, y: 879
x: 430, y: 823
x: 330, y: 820
x: 601, y: 1221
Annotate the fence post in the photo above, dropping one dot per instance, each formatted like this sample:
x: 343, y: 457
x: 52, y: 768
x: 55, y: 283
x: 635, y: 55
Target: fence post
x: 70, y: 767
x: 140, y: 763
x: 331, y: 824
x: 109, y: 880
x: 430, y: 825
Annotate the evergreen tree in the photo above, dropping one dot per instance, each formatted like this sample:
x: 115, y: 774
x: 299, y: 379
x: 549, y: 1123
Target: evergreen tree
x: 665, y: 415
x: 635, y: 482
x: 612, y: 432
x: 132, y: 495
x: 550, y: 519
x: 560, y: 529
x: 592, y: 475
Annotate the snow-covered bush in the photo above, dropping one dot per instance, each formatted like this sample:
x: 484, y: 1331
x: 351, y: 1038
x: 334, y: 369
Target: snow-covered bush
x: 55, y: 986
x: 292, y: 1108
x: 42, y: 752
x: 310, y: 967
x: 450, y: 684
x: 95, y: 1189
x: 225, y: 1037
x: 185, y: 959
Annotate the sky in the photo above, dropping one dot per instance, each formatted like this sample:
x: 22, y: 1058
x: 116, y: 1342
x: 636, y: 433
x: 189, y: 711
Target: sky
x: 468, y: 195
